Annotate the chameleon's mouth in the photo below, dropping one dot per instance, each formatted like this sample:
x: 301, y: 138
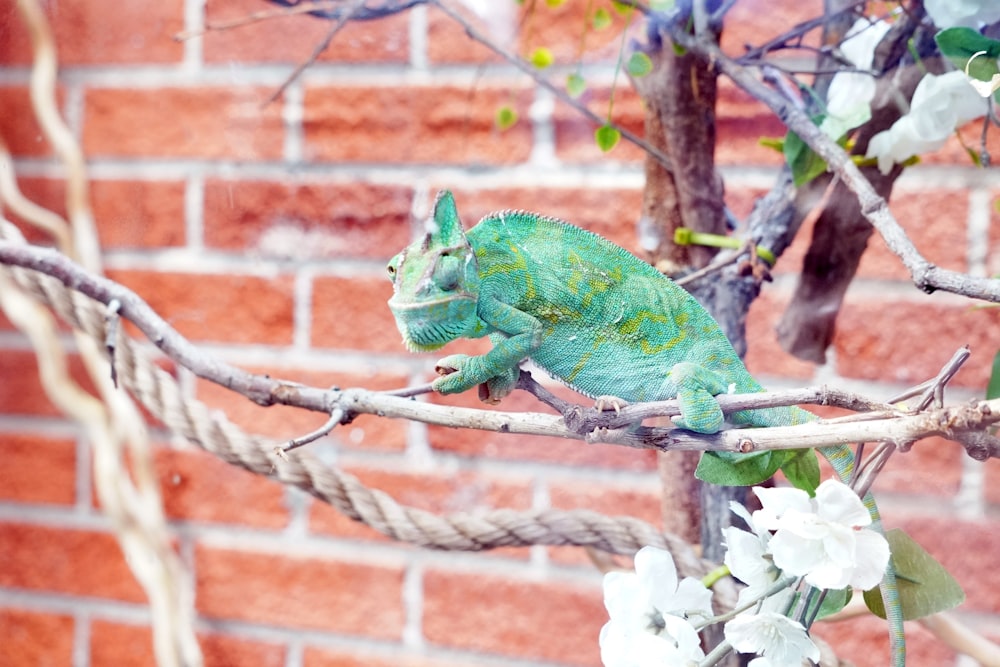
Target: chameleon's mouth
x: 428, y: 326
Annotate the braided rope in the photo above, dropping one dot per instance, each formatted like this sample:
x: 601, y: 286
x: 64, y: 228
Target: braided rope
x: 159, y: 392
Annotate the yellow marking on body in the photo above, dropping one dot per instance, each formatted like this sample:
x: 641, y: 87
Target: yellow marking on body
x: 520, y: 264
x: 580, y: 365
x: 631, y: 326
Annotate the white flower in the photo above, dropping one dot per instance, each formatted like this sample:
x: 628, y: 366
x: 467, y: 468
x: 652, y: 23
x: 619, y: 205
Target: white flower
x: 649, y: 609
x: 984, y: 88
x: 940, y: 104
x: 965, y: 13
x: 848, y: 99
x: 778, y: 638
x: 823, y: 539
x: 676, y: 645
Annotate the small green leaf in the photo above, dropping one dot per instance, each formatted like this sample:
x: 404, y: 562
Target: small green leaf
x: 802, y: 469
x: 639, y: 64
x: 834, y: 601
x: 993, y: 388
x: 607, y: 137
x: 506, y: 118
x: 801, y: 159
x: 623, y: 8
x: 601, y: 19
x: 960, y: 44
x: 925, y: 587
x: 554, y: 3
x: 575, y: 85
x: 541, y: 57
x: 728, y: 469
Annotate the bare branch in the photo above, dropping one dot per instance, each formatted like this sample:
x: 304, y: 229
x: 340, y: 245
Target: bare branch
x: 885, y: 425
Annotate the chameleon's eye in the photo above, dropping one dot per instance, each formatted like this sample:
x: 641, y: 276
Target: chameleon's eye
x: 391, y: 268
x: 448, y: 272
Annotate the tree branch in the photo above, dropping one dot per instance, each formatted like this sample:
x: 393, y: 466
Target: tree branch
x: 875, y: 209
x: 886, y: 425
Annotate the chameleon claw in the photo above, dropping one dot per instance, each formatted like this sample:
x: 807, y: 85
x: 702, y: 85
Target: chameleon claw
x: 608, y: 402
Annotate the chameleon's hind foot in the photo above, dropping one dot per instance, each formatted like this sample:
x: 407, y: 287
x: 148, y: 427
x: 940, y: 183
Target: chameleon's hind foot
x: 608, y: 402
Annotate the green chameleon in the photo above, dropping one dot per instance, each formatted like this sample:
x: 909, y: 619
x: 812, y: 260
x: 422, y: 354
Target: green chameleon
x: 587, y: 311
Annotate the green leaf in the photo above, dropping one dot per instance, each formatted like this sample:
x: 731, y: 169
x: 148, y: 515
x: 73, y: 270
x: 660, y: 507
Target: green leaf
x: 575, y: 85
x: 607, y: 137
x: 925, y: 587
x: 541, y: 57
x: 993, y: 388
x: 506, y: 118
x: 801, y: 159
x: 801, y: 467
x: 623, y: 8
x: 639, y: 64
x: 554, y: 3
x: 960, y: 44
x: 834, y: 601
x: 602, y: 19
x: 728, y: 469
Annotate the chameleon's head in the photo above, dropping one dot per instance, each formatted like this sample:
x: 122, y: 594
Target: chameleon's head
x: 435, y: 282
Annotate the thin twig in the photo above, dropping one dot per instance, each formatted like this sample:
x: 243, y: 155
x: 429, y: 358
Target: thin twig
x: 558, y: 92
x: 875, y: 209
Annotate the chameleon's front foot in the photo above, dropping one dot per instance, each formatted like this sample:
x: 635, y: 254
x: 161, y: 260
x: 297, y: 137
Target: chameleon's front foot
x: 458, y: 373
x: 607, y: 403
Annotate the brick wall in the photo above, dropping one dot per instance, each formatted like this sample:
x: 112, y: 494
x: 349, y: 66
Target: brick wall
x: 261, y: 231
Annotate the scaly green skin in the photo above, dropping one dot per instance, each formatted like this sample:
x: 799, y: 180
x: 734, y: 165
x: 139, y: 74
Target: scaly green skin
x: 587, y: 311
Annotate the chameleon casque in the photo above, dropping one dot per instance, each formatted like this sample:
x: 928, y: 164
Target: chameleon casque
x: 587, y: 311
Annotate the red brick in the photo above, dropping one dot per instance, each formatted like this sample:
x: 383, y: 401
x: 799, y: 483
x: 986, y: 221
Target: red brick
x: 293, y: 38
x: 449, y: 43
x: 495, y: 615
x: 505, y: 446
x: 992, y: 485
x: 199, y: 487
x: 281, y: 422
x: 18, y: 126
x: 956, y: 152
x: 205, y: 122
x: 350, y: 314
x: 314, y: 657
x: 993, y: 237
x: 765, y: 357
x: 90, y: 34
x: 434, y: 492
x: 741, y: 122
x: 966, y: 549
x: 113, y: 644
x: 224, y: 308
x: 612, y: 213
x: 750, y: 23
x: 416, y: 124
x: 138, y: 214
x: 296, y: 591
x: 909, y: 341
x: 567, y: 31
x: 37, y: 469
x: 61, y: 560
x: 30, y: 639
x: 574, y: 133
x: 935, y: 222
x: 864, y: 641
x: 306, y: 220
x: 637, y: 501
x: 26, y: 396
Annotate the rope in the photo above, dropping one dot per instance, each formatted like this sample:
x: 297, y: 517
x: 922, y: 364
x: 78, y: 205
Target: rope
x: 159, y: 392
